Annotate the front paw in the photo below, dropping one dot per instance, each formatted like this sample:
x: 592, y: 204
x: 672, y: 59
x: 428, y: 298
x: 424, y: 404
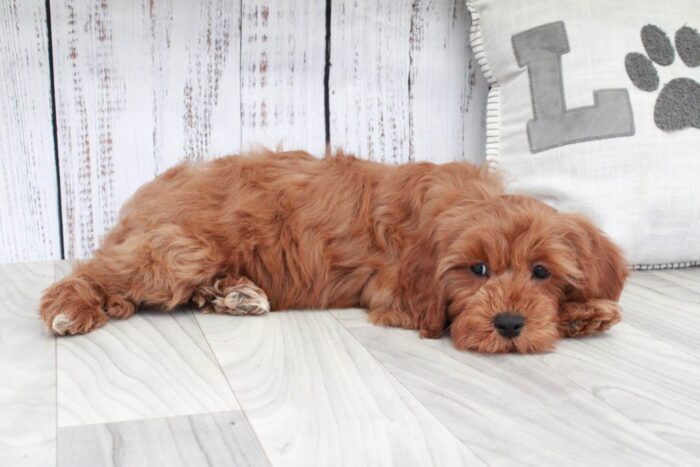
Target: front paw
x: 71, y: 306
x: 588, y: 318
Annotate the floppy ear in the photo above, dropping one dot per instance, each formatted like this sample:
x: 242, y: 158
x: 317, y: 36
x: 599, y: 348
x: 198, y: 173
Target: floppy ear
x: 603, y: 267
x: 422, y: 289
x: 590, y: 305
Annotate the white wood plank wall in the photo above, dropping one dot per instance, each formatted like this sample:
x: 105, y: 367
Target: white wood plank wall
x: 283, y: 50
x: 368, y: 84
x: 29, y: 210
x: 139, y: 85
x: 446, y: 89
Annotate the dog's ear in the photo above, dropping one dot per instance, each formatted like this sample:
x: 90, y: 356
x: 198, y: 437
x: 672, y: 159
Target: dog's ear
x: 602, y: 267
x: 422, y: 289
x: 590, y: 305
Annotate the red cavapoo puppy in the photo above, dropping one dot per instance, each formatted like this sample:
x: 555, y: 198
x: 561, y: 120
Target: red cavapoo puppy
x: 421, y: 246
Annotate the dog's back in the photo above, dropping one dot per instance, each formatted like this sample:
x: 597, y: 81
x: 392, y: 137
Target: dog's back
x: 312, y: 232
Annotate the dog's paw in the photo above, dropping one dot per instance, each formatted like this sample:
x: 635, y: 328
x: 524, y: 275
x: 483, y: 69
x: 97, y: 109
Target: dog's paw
x: 71, y: 307
x: 72, y: 319
x: 242, y: 297
x: 60, y: 324
x: 76, y: 323
x: 119, y: 307
x: 589, y: 318
x: 242, y: 302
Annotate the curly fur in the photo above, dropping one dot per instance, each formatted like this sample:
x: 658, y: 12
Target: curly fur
x: 342, y: 232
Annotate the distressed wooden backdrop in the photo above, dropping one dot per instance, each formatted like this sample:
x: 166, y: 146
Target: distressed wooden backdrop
x: 98, y: 97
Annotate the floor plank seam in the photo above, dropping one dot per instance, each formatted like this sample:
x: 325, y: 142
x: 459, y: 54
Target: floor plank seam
x: 228, y: 383
x: 399, y: 383
x: 145, y: 419
x: 55, y: 367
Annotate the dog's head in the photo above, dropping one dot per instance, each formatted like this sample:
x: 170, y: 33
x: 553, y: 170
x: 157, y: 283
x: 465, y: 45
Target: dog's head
x: 501, y: 273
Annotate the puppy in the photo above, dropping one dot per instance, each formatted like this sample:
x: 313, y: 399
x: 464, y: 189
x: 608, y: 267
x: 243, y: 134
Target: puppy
x: 421, y: 246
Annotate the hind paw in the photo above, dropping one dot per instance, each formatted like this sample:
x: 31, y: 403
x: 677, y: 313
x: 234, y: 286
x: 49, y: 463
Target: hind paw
x: 237, y: 297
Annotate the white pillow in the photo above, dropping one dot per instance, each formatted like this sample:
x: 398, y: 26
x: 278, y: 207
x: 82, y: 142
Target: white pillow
x: 595, y: 108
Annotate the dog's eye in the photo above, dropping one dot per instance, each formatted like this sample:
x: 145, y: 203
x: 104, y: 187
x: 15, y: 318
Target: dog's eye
x: 480, y: 269
x: 540, y: 272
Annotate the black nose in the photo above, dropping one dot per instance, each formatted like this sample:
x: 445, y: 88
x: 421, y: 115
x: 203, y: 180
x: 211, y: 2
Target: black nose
x: 509, y: 324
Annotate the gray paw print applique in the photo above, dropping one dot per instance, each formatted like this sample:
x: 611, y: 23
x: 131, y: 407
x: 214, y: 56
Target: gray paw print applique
x: 678, y: 104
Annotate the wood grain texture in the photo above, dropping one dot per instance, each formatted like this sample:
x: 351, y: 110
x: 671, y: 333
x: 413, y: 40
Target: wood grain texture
x: 666, y: 305
x: 139, y: 86
x: 328, y: 388
x: 447, y: 91
x: 314, y: 396
x: 151, y: 365
x: 369, y: 104
x: 214, y: 439
x: 27, y: 369
x: 282, y: 65
x: 616, y: 369
x: 516, y: 409
x: 29, y: 225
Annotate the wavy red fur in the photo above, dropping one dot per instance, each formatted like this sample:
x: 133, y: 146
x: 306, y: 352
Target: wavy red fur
x: 342, y: 232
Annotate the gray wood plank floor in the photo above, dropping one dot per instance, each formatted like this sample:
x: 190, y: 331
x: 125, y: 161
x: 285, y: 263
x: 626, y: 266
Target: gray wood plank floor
x: 315, y: 396
x: 27, y: 368
x: 222, y: 438
x: 328, y: 388
x: 150, y: 365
